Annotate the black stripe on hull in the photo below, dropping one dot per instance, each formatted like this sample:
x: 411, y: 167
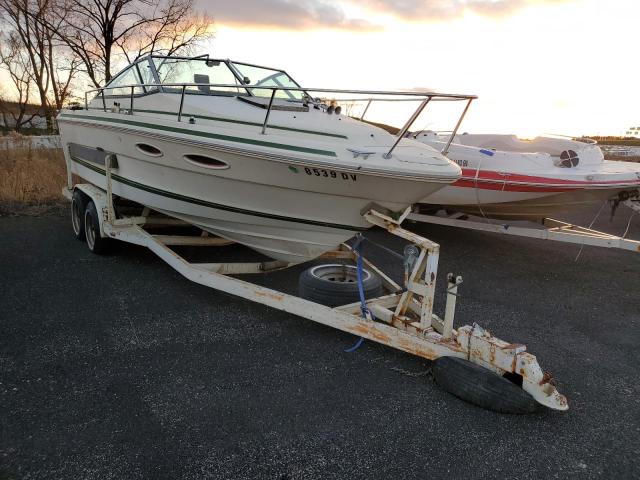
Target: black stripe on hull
x: 205, y: 203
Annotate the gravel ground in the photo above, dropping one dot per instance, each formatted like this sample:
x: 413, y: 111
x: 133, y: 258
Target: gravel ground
x: 117, y: 367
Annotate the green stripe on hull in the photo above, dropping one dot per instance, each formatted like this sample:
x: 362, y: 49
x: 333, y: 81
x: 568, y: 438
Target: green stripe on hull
x: 204, y: 203
x: 239, y: 122
x: 199, y: 133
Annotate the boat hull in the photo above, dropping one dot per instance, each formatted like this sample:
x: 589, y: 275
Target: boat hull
x: 517, y: 205
x: 276, y: 206
x: 529, y: 185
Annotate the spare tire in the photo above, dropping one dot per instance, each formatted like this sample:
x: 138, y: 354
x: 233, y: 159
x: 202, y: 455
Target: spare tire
x: 337, y: 284
x: 482, y: 387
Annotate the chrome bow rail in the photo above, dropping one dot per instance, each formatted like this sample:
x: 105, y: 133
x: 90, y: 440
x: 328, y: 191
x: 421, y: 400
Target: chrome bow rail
x: 423, y: 97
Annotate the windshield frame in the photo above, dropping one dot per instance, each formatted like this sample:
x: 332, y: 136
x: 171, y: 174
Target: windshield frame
x: 204, y: 58
x: 275, y: 71
x: 230, y: 64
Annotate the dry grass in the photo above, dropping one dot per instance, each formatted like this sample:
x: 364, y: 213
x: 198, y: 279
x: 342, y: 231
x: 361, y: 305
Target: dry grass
x: 31, y: 179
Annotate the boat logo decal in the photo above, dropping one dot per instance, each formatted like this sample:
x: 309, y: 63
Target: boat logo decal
x: 293, y: 169
x: 321, y: 172
x: 487, y: 152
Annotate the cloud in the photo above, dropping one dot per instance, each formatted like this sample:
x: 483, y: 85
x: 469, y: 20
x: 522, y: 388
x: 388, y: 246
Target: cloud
x: 425, y: 10
x: 283, y: 14
x: 323, y: 14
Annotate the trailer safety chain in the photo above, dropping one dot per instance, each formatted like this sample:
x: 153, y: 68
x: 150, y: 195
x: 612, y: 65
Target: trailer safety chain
x: 628, y: 224
x: 361, y: 239
x: 591, y: 225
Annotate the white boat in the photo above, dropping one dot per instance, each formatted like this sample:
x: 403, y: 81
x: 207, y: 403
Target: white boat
x: 509, y: 178
x: 244, y: 152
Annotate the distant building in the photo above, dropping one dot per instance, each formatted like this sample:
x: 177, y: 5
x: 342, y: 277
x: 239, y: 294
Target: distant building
x: 633, y: 132
x: 34, y: 116
x: 36, y: 122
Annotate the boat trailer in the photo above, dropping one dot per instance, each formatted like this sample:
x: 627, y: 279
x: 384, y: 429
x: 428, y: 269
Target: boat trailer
x: 403, y: 318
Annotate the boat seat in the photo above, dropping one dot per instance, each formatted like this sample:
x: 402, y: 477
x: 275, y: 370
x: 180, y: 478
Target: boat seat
x: 201, y: 78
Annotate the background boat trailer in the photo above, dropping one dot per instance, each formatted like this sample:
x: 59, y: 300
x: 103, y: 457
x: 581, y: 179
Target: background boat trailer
x: 402, y: 319
x: 549, y: 229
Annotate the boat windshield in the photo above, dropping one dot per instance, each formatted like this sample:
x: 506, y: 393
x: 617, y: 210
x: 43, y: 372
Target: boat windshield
x: 269, y: 77
x: 205, y: 71
x: 197, y: 70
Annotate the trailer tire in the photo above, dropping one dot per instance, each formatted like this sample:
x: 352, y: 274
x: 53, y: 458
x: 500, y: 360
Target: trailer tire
x: 482, y: 387
x: 336, y: 284
x: 78, y: 206
x: 96, y: 243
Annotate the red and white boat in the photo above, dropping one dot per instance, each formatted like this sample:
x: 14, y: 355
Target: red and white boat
x: 509, y: 178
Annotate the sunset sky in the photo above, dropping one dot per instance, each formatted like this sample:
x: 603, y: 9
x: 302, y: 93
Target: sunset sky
x: 568, y: 66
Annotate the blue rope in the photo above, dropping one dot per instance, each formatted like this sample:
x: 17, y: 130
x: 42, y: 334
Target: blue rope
x: 363, y: 304
x: 355, y: 346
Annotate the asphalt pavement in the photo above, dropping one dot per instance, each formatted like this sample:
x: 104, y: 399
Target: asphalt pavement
x: 117, y: 367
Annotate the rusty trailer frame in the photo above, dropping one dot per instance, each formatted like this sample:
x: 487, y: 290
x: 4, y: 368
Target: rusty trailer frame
x: 551, y: 229
x: 402, y: 319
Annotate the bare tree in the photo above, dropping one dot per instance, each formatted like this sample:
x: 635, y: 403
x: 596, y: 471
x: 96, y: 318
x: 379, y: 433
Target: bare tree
x: 15, y: 62
x: 19, y: 19
x: 62, y: 63
x: 27, y: 23
x: 101, y: 32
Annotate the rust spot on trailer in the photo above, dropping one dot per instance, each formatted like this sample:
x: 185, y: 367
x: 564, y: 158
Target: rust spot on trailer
x: 273, y: 296
x: 476, y: 353
x: 547, y: 377
x: 424, y: 352
x: 338, y: 254
x: 377, y: 335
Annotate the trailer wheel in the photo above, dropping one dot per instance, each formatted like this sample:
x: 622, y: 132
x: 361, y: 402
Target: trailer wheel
x: 77, y: 215
x: 95, y: 242
x: 336, y: 284
x: 482, y: 387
